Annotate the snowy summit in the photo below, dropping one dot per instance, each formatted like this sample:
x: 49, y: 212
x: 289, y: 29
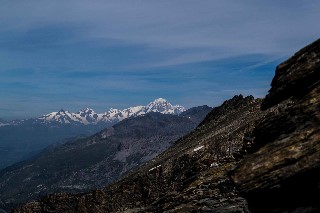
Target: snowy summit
x: 89, y: 116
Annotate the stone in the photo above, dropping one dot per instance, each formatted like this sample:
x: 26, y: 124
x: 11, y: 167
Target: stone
x: 283, y: 174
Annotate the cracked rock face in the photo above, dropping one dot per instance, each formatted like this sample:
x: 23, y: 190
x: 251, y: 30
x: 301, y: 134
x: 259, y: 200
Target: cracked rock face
x: 283, y: 175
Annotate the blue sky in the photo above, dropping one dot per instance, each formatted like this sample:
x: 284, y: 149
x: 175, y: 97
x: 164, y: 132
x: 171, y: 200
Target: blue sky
x: 101, y: 54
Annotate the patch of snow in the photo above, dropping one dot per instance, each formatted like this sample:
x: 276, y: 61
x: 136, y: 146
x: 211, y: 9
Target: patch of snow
x: 214, y: 164
x: 198, y: 148
x: 156, y: 167
x: 160, y: 100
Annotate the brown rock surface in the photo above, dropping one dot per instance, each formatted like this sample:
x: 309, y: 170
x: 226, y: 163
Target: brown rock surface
x: 283, y: 175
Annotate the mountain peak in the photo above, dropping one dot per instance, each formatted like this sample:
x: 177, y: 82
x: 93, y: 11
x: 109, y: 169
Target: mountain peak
x: 163, y: 106
x: 87, y: 110
x: 160, y: 100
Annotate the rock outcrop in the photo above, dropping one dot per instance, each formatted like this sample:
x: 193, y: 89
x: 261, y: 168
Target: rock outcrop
x: 283, y: 175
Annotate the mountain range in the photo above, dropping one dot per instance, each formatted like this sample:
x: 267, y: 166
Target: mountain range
x: 21, y: 139
x: 89, y: 116
x: 92, y: 162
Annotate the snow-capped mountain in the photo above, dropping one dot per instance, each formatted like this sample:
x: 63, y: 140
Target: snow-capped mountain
x: 88, y: 116
x: 163, y: 106
x: 85, y: 116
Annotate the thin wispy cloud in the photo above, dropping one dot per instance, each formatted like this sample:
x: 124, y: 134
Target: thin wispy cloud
x: 126, y: 52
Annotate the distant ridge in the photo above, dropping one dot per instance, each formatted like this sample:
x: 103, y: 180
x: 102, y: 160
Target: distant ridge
x: 89, y: 116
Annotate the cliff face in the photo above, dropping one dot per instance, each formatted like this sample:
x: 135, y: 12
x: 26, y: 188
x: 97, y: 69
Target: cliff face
x: 239, y: 159
x: 283, y: 175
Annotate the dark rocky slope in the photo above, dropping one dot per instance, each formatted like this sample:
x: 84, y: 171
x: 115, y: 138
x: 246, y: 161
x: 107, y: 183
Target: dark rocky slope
x: 283, y: 175
x: 239, y: 159
x: 196, y: 114
x: 90, y: 163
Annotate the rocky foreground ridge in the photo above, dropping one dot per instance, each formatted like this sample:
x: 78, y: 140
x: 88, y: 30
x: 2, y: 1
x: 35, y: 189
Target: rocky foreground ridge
x: 239, y: 159
x: 284, y: 168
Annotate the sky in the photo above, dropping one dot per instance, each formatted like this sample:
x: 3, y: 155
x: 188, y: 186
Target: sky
x: 74, y: 54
